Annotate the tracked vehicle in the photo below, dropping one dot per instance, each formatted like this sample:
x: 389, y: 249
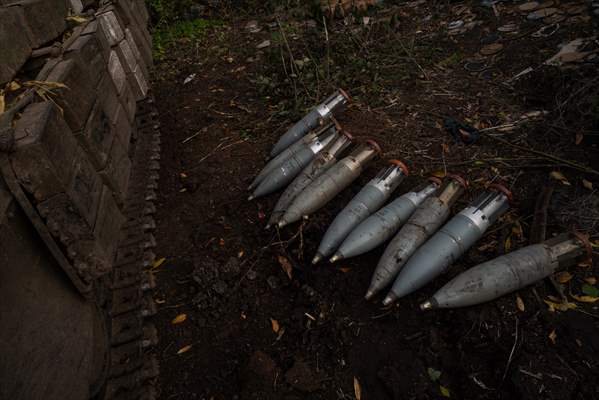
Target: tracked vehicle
x: 79, y: 160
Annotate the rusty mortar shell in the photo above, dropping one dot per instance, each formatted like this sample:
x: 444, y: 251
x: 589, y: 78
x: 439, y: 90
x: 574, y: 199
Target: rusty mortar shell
x: 423, y: 223
x: 334, y: 104
x: 511, y: 272
x: 372, y: 196
x: 288, y: 152
x: 330, y: 183
x: 323, y: 161
x: 284, y: 173
x: 382, y: 225
x: 435, y: 256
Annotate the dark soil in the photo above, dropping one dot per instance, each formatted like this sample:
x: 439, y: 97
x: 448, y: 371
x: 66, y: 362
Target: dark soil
x: 255, y: 332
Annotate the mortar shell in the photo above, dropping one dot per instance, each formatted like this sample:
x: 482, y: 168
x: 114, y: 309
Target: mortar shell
x: 372, y: 196
x: 330, y: 183
x: 423, y: 223
x: 435, y: 256
x: 334, y: 104
x: 282, y: 175
x: 510, y: 272
x: 382, y: 225
x: 323, y: 161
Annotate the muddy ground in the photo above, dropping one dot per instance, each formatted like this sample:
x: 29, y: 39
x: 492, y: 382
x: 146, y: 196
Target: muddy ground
x: 254, y: 332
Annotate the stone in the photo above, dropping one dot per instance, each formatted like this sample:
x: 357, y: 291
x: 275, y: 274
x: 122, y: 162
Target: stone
x: 87, y: 52
x: 15, y: 49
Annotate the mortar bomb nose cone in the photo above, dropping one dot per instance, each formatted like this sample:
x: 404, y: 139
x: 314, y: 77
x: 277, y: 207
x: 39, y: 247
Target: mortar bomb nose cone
x: 250, y: 197
x: 389, y: 299
x: 317, y: 258
x: 369, y: 294
x: 336, y: 257
x: 427, y: 305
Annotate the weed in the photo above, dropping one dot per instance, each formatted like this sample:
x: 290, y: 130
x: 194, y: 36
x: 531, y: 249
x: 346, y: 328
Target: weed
x: 166, y: 34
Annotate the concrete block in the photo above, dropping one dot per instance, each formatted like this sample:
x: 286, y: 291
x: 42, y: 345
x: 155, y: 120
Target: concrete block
x: 78, y: 98
x: 117, y: 72
x: 94, y: 29
x: 45, y: 151
x: 123, y: 127
x: 108, y: 97
x: 45, y: 19
x: 117, y: 172
x: 97, y: 137
x: 111, y: 27
x: 108, y: 223
x: 14, y: 48
x: 85, y: 188
x: 86, y: 50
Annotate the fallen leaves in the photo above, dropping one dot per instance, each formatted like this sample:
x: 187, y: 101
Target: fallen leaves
x: 357, y: 389
x: 444, y: 391
x: 553, y: 336
x: 519, y: 303
x: 179, y: 319
x: 558, y: 176
x: 275, y: 325
x: 591, y: 280
x: 184, y: 349
x: 590, y: 290
x: 555, y: 304
x: 157, y: 263
x: 286, y: 265
x: 587, y: 184
x: 585, y: 299
x: 564, y: 277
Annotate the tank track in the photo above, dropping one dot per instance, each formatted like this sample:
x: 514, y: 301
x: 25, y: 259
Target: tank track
x: 133, y: 368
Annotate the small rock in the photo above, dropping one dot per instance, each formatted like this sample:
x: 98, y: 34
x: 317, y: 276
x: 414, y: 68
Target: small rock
x: 273, y: 282
x: 251, y: 275
x: 263, y: 44
x: 309, y: 291
x: 220, y: 287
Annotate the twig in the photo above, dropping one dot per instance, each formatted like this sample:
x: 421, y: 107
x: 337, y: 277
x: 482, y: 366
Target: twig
x: 292, y: 64
x: 326, y: 36
x: 219, y: 147
x: 548, y: 156
x: 509, y: 360
x: 191, y: 137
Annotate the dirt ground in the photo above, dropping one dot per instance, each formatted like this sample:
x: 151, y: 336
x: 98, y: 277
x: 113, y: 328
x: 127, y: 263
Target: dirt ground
x: 251, y: 331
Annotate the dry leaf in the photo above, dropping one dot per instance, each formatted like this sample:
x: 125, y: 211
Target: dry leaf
x: 159, y: 301
x: 2, y: 102
x: 579, y: 138
x: 184, y: 349
x: 76, y: 19
x: 344, y: 269
x: 591, y: 280
x: 179, y: 318
x: 158, y: 263
x: 221, y: 242
x: 275, y: 325
x: 357, y: 389
x: 559, y: 177
x: 13, y: 86
x: 555, y: 305
x: 438, y: 174
x: 183, y: 175
x: 286, y: 265
x: 587, y: 184
x: 553, y: 336
x: 564, y: 277
x: 240, y: 253
x: 444, y: 391
x: 445, y: 147
x: 519, y: 303
x: 585, y: 299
